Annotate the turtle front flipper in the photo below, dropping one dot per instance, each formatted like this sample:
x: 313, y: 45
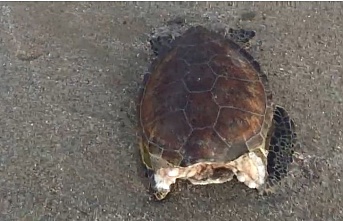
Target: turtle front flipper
x: 242, y: 36
x: 162, y: 38
x: 283, y: 140
x: 160, y: 44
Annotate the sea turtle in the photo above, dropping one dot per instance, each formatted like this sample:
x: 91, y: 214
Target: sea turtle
x: 206, y: 115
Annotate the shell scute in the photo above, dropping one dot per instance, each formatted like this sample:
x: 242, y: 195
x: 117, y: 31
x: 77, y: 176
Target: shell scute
x: 199, y: 54
x: 204, y: 145
x: 169, y: 70
x: 173, y: 157
x: 163, y: 99
x: 199, y: 78
x: 237, y: 125
x: 233, y: 68
x: 244, y: 95
x: 201, y: 110
x: 169, y: 131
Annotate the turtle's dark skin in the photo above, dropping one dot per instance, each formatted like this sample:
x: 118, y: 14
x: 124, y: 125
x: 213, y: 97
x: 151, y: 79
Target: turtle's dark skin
x: 206, y: 114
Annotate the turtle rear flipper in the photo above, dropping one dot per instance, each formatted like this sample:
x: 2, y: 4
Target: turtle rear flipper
x: 281, y: 148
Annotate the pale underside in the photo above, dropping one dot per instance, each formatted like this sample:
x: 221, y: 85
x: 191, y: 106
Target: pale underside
x: 249, y: 169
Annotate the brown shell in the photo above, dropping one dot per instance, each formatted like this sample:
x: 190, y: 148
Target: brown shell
x: 205, y: 100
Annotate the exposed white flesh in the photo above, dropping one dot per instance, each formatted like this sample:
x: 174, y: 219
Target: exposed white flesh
x: 249, y: 169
